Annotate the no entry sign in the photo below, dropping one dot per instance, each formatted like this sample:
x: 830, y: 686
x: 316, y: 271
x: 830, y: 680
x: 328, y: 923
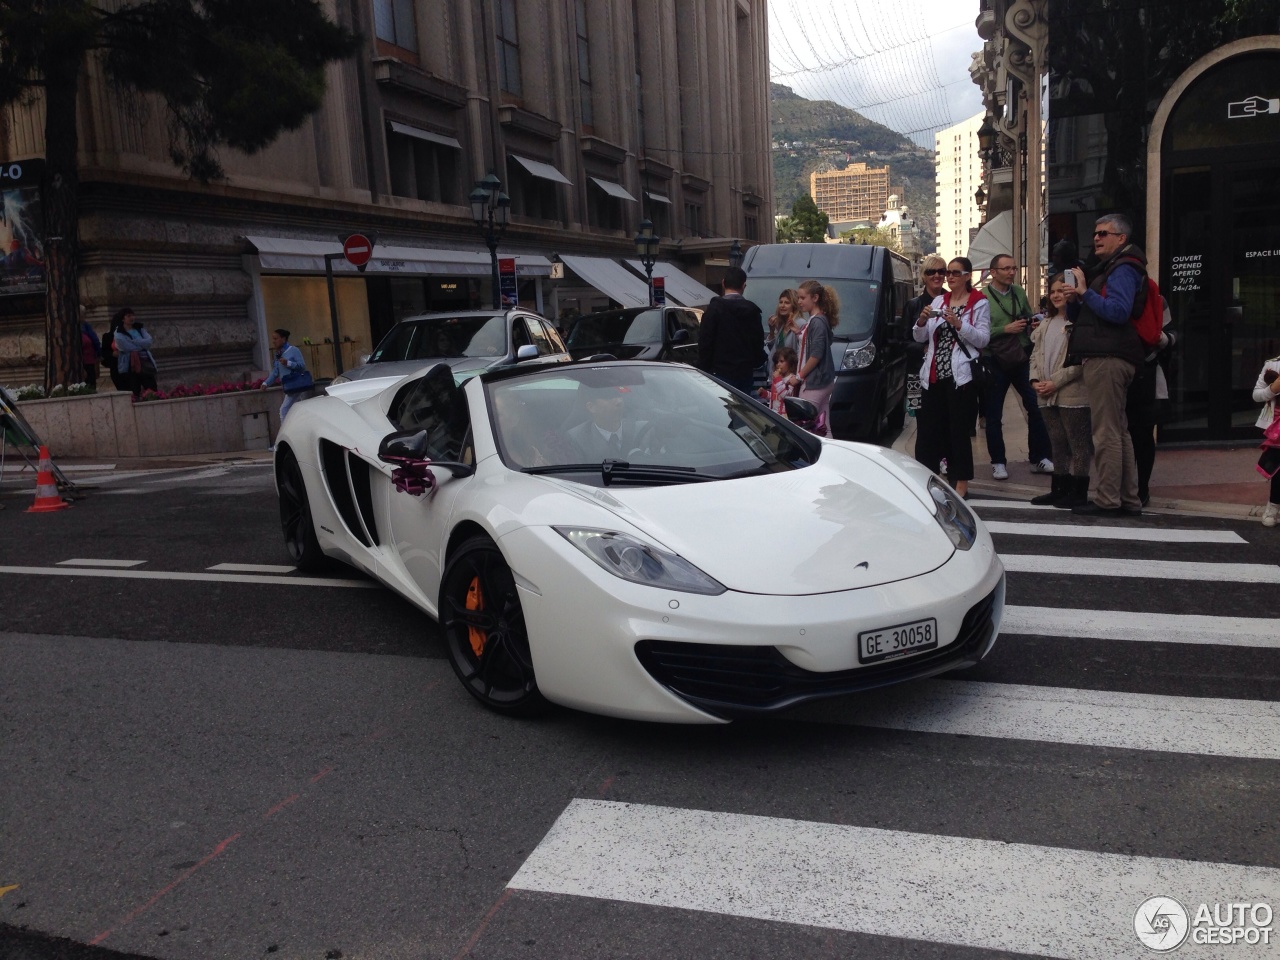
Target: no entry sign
x: 357, y: 248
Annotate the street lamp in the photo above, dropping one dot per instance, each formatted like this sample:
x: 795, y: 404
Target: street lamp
x: 491, y: 211
x: 980, y: 196
x: 647, y: 250
x: 735, y: 254
x: 986, y: 136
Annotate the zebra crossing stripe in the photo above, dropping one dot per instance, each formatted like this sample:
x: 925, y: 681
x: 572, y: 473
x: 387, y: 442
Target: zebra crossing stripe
x: 1023, y: 898
x: 1142, y: 569
x: 1202, y: 726
x: 1152, y: 627
x: 1143, y: 534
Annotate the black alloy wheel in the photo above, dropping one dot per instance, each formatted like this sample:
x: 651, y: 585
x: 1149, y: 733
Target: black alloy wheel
x: 485, y: 632
x: 295, y: 514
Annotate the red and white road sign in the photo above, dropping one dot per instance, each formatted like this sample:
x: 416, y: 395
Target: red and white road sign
x: 357, y: 248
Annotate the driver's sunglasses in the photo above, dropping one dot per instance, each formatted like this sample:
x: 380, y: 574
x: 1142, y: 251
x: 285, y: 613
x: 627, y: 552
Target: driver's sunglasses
x: 1104, y: 233
x: 939, y: 272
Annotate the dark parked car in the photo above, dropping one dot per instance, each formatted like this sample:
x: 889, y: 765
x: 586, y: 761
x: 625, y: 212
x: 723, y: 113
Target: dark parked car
x: 471, y: 340
x: 870, y: 345
x: 638, y: 333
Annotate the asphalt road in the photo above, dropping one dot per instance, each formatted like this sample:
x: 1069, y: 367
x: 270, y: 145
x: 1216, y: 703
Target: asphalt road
x: 196, y: 766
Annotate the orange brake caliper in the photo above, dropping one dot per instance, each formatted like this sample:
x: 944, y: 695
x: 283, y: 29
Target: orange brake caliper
x: 475, y: 601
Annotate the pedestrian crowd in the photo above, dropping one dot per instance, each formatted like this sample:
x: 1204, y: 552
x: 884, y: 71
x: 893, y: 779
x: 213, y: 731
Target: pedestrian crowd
x: 1087, y: 367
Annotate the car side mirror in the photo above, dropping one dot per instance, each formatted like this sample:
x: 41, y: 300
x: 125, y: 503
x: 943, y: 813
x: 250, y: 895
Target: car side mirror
x: 526, y: 352
x: 680, y: 336
x: 407, y: 449
x: 800, y: 409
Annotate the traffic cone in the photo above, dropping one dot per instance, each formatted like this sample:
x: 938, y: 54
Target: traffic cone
x: 47, y: 496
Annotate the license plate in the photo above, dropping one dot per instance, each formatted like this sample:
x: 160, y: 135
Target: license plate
x: 903, y: 640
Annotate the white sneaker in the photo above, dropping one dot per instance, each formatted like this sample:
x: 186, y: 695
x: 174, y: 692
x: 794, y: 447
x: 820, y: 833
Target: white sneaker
x: 1044, y: 466
x: 1271, y: 515
x: 999, y: 471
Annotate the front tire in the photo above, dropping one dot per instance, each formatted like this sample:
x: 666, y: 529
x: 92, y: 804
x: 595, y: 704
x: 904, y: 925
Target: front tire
x: 295, y: 515
x: 485, y: 632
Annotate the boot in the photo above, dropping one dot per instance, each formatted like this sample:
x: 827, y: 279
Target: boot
x: 1077, y: 493
x: 1059, y: 487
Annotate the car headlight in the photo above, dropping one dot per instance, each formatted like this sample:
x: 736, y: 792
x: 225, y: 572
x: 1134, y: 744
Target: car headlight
x: 341, y: 378
x: 855, y: 358
x: 953, y: 515
x: 633, y: 560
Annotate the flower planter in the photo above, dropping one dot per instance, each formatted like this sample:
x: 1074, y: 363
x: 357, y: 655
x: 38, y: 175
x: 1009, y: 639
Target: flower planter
x: 111, y: 426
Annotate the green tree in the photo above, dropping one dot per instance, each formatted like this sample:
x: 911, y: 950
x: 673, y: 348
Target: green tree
x: 810, y: 221
x: 232, y: 73
x: 787, y: 230
x: 873, y: 236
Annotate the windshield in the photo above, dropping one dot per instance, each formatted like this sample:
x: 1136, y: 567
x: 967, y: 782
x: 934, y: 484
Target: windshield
x: 618, y: 326
x: 858, y: 300
x: 669, y: 417
x: 442, y: 337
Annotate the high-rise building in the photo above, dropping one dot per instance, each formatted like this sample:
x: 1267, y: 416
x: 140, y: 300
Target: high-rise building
x: 858, y: 192
x: 959, y: 174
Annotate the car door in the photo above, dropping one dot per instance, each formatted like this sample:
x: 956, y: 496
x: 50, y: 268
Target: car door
x: 420, y: 524
x: 559, y: 352
x: 689, y: 321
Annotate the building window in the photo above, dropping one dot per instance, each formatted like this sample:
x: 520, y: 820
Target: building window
x: 693, y: 219
x: 422, y: 169
x: 751, y: 225
x: 532, y: 196
x: 603, y: 211
x: 393, y: 24
x: 508, y: 48
x: 660, y: 219
x: 584, y: 65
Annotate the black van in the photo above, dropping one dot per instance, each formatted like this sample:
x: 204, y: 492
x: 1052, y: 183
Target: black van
x: 870, y: 344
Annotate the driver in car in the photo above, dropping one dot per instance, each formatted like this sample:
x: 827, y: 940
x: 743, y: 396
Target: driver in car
x: 608, y: 435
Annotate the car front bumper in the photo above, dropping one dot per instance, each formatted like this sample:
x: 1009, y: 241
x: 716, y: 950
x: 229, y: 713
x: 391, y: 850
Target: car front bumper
x: 608, y: 646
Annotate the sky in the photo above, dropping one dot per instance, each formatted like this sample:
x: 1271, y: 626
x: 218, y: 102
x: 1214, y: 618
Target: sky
x: 903, y: 63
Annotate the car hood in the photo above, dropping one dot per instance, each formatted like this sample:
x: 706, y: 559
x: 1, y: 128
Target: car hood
x: 843, y: 523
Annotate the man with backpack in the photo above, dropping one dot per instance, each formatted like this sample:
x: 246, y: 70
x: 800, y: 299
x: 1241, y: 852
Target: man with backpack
x: 1107, y: 309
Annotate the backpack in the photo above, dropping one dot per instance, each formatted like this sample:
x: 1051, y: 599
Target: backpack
x: 1148, y: 306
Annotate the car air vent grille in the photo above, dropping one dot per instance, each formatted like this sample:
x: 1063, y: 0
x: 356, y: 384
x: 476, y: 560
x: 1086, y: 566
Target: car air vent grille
x: 734, y: 681
x: 335, y: 477
x: 360, y: 486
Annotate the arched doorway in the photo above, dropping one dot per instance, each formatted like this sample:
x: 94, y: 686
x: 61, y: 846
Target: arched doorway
x: 1218, y: 136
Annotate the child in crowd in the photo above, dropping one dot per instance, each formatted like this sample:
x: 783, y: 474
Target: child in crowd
x: 1265, y: 392
x: 784, y: 367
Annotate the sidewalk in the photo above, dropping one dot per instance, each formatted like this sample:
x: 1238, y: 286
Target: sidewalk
x: 1219, y: 481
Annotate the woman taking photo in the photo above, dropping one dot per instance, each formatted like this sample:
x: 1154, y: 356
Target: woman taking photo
x: 817, y: 375
x: 954, y: 327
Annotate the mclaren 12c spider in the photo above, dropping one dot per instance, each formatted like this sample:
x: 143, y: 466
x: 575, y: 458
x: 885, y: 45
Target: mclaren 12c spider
x: 637, y: 539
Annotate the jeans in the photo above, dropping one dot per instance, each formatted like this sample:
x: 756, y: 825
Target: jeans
x: 998, y: 383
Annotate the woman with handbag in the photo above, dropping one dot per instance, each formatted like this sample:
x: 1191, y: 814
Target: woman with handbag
x: 954, y: 328
x: 289, y: 370
x: 1265, y: 392
x: 134, y: 362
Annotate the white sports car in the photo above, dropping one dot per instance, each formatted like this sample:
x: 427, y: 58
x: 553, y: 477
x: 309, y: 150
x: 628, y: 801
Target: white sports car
x: 637, y: 539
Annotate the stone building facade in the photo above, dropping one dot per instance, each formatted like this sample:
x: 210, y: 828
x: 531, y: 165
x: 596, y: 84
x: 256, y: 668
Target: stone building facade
x: 594, y: 114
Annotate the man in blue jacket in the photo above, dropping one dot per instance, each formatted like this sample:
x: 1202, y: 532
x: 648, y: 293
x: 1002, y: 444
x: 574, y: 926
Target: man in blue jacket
x: 1104, y: 338
x: 289, y: 370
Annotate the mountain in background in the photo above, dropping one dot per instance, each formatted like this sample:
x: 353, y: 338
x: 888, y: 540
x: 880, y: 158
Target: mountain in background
x: 819, y: 135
